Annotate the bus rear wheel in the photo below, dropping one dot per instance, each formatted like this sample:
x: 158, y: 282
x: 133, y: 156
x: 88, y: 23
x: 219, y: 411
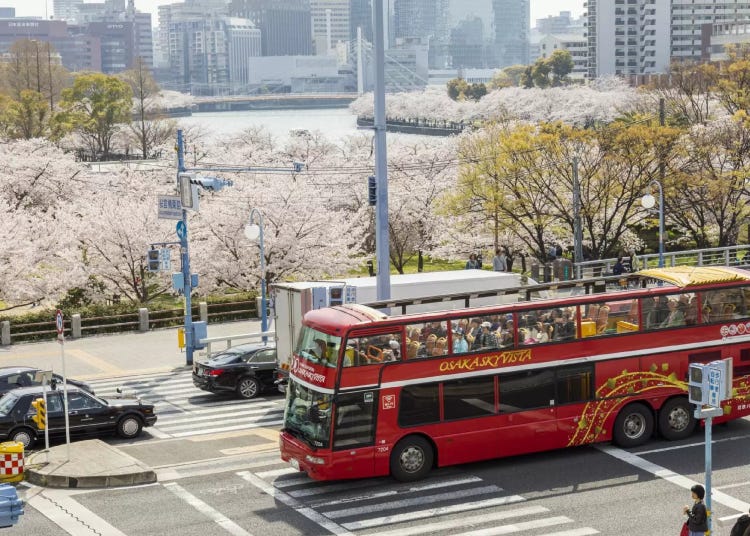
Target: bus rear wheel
x: 411, y: 459
x: 676, y: 419
x: 633, y: 426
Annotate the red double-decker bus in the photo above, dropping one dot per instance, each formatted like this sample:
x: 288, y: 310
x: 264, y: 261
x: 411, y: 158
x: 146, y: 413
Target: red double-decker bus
x: 371, y: 394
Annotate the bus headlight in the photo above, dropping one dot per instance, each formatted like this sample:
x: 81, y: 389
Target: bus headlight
x: 315, y: 460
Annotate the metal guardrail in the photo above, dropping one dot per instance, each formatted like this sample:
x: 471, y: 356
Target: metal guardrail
x: 229, y: 339
x: 737, y: 256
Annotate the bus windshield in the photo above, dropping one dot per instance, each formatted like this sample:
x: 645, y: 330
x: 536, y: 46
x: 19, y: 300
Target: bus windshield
x: 308, y: 415
x: 317, y: 347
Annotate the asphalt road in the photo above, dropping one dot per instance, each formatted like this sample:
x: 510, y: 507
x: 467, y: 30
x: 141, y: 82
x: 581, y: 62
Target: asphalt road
x: 219, y: 473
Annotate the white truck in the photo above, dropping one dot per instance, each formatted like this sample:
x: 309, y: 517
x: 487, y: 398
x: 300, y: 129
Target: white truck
x: 292, y: 300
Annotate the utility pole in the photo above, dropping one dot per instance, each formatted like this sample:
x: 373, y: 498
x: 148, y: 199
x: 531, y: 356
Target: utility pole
x: 577, y: 231
x: 381, y: 160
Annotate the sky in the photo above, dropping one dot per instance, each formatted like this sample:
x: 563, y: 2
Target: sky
x: 36, y: 8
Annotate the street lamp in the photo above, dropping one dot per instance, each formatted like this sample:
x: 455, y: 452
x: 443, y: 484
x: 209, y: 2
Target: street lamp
x: 648, y: 201
x: 254, y: 232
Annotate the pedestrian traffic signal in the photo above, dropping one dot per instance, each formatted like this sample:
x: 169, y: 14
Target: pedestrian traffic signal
x: 153, y: 260
x: 372, y: 191
x: 41, y: 413
x: 696, y: 385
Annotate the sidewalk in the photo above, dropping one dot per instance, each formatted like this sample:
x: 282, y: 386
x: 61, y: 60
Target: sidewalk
x: 106, y: 356
x: 92, y: 464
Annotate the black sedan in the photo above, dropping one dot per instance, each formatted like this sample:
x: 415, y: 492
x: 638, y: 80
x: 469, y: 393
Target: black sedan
x: 87, y: 415
x: 15, y: 377
x: 246, y: 369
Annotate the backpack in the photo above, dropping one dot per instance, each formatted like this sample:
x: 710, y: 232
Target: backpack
x: 742, y: 524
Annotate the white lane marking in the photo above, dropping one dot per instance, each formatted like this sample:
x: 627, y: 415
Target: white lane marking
x: 414, y: 501
x: 277, y: 472
x: 291, y: 502
x: 433, y: 512
x: 235, y: 416
x: 220, y: 519
x: 464, y: 522
x: 209, y: 410
x: 321, y: 488
x: 691, y: 445
x: 670, y: 476
x: 738, y: 485
x: 518, y: 527
x: 258, y: 424
x: 155, y: 432
x: 585, y: 531
x: 392, y: 492
x: 207, y: 469
x: 70, y: 516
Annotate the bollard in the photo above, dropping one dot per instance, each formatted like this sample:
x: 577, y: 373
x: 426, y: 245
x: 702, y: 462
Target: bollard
x: 143, y: 319
x: 11, y: 461
x: 258, y: 305
x: 75, y: 326
x: 5, y: 332
x: 203, y: 306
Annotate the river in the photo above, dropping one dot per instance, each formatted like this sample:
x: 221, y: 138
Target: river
x: 335, y: 123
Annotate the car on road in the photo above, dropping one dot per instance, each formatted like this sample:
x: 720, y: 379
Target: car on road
x: 87, y: 415
x: 246, y: 370
x: 16, y: 377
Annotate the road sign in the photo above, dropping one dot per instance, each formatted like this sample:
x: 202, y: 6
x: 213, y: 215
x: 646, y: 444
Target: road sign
x: 170, y: 207
x: 59, y: 322
x: 181, y: 230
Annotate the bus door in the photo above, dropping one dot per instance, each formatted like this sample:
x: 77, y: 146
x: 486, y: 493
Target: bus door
x: 575, y: 387
x: 354, y: 434
x: 528, y: 420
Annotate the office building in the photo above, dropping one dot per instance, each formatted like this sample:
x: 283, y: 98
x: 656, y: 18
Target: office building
x: 576, y: 45
x: 285, y: 25
x: 427, y: 21
x: 72, y: 55
x: 692, y: 22
x: 330, y: 24
x: 467, y: 44
x: 7, y: 12
x: 244, y: 43
x: 66, y: 9
x: 511, y: 24
x: 360, y: 16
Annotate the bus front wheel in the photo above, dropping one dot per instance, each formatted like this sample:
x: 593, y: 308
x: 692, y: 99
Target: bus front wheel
x: 633, y: 426
x: 676, y: 419
x: 411, y: 459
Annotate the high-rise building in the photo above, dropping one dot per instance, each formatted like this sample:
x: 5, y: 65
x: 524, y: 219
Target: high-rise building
x: 426, y: 20
x: 691, y: 25
x: 7, y: 12
x: 467, y: 44
x: 628, y: 39
x: 360, y: 16
x: 244, y: 43
x: 512, y: 19
x: 285, y: 25
x: 66, y: 9
x: 330, y: 24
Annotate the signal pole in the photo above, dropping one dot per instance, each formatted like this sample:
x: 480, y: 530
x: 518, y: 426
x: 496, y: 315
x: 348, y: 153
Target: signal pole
x: 185, y: 260
x: 383, y: 281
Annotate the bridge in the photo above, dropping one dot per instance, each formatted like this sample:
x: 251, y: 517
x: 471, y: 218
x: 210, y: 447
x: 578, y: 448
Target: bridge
x: 273, y: 101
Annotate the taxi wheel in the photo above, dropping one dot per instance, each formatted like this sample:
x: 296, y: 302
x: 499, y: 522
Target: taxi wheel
x: 25, y: 436
x: 129, y: 427
x: 248, y: 387
x: 411, y: 459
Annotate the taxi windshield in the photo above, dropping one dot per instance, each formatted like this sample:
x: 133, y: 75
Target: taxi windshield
x: 318, y: 347
x: 307, y: 415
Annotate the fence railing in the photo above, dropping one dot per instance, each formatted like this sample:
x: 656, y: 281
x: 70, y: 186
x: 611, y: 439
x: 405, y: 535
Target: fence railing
x: 77, y: 326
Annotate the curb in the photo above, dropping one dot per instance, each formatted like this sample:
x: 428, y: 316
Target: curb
x: 103, y: 481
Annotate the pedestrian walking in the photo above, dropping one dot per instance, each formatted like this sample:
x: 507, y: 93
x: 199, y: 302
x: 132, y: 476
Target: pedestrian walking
x: 697, y: 521
x: 619, y: 267
x: 472, y: 263
x: 499, y: 262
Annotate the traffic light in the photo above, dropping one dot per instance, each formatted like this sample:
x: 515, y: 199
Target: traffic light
x: 41, y: 413
x: 153, y: 260
x: 697, y: 383
x: 372, y: 191
x: 189, y: 184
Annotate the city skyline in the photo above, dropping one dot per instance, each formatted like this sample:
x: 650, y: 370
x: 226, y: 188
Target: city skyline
x: 36, y: 8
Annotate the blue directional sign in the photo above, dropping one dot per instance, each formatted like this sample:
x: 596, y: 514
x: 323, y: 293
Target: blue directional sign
x: 181, y: 230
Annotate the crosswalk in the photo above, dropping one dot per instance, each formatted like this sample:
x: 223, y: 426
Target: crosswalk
x: 183, y: 410
x: 449, y: 503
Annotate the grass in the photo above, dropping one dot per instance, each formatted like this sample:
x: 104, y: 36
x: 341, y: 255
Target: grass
x: 430, y: 265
